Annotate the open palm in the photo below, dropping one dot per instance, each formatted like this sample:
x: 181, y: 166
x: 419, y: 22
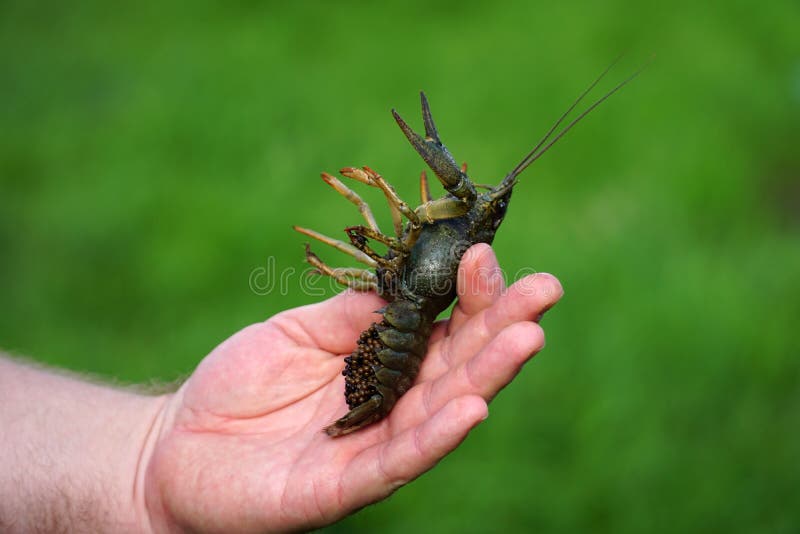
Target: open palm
x: 242, y: 446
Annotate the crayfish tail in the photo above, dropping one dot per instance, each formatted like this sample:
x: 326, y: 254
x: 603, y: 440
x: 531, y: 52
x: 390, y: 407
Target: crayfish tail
x: 357, y: 418
x: 383, y: 366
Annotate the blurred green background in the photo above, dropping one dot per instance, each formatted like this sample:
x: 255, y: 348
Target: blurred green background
x: 152, y: 155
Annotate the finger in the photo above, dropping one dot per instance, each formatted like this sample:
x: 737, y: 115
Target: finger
x: 485, y: 375
x: 493, y: 367
x: 334, y: 324
x: 526, y: 300
x: 480, y: 283
x: 384, y: 467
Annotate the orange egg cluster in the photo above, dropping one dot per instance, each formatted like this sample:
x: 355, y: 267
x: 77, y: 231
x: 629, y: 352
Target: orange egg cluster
x: 359, y: 376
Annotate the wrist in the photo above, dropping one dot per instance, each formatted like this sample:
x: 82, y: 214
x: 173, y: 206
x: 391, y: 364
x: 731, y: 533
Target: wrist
x: 70, y: 452
x: 146, y: 509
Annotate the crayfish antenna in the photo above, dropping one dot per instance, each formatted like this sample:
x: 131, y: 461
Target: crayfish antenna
x: 436, y: 155
x: 511, y: 179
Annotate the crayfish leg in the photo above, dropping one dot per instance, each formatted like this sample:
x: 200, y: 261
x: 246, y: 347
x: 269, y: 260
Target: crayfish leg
x: 391, y: 242
x: 357, y: 279
x: 353, y: 197
x: 424, y: 188
x: 397, y: 206
x: 338, y: 245
x: 359, y: 417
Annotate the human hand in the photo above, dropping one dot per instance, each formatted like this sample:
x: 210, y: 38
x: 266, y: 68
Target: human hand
x: 241, y: 447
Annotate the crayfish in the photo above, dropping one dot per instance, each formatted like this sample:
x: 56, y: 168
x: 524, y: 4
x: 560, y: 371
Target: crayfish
x: 417, y: 274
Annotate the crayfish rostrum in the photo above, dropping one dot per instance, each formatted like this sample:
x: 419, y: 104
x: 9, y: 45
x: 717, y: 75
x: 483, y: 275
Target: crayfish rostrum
x: 417, y: 274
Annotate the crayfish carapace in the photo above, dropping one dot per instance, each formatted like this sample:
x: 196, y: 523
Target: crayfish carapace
x: 417, y: 274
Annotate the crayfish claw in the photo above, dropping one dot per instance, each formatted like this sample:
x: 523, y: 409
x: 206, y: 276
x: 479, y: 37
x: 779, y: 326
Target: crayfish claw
x: 436, y: 155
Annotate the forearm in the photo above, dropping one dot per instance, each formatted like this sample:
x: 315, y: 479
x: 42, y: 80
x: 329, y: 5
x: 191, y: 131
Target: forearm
x: 72, y: 453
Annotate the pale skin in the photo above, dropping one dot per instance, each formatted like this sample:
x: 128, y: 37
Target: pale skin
x: 239, y: 447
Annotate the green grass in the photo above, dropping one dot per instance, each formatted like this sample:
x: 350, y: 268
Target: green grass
x: 151, y: 157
